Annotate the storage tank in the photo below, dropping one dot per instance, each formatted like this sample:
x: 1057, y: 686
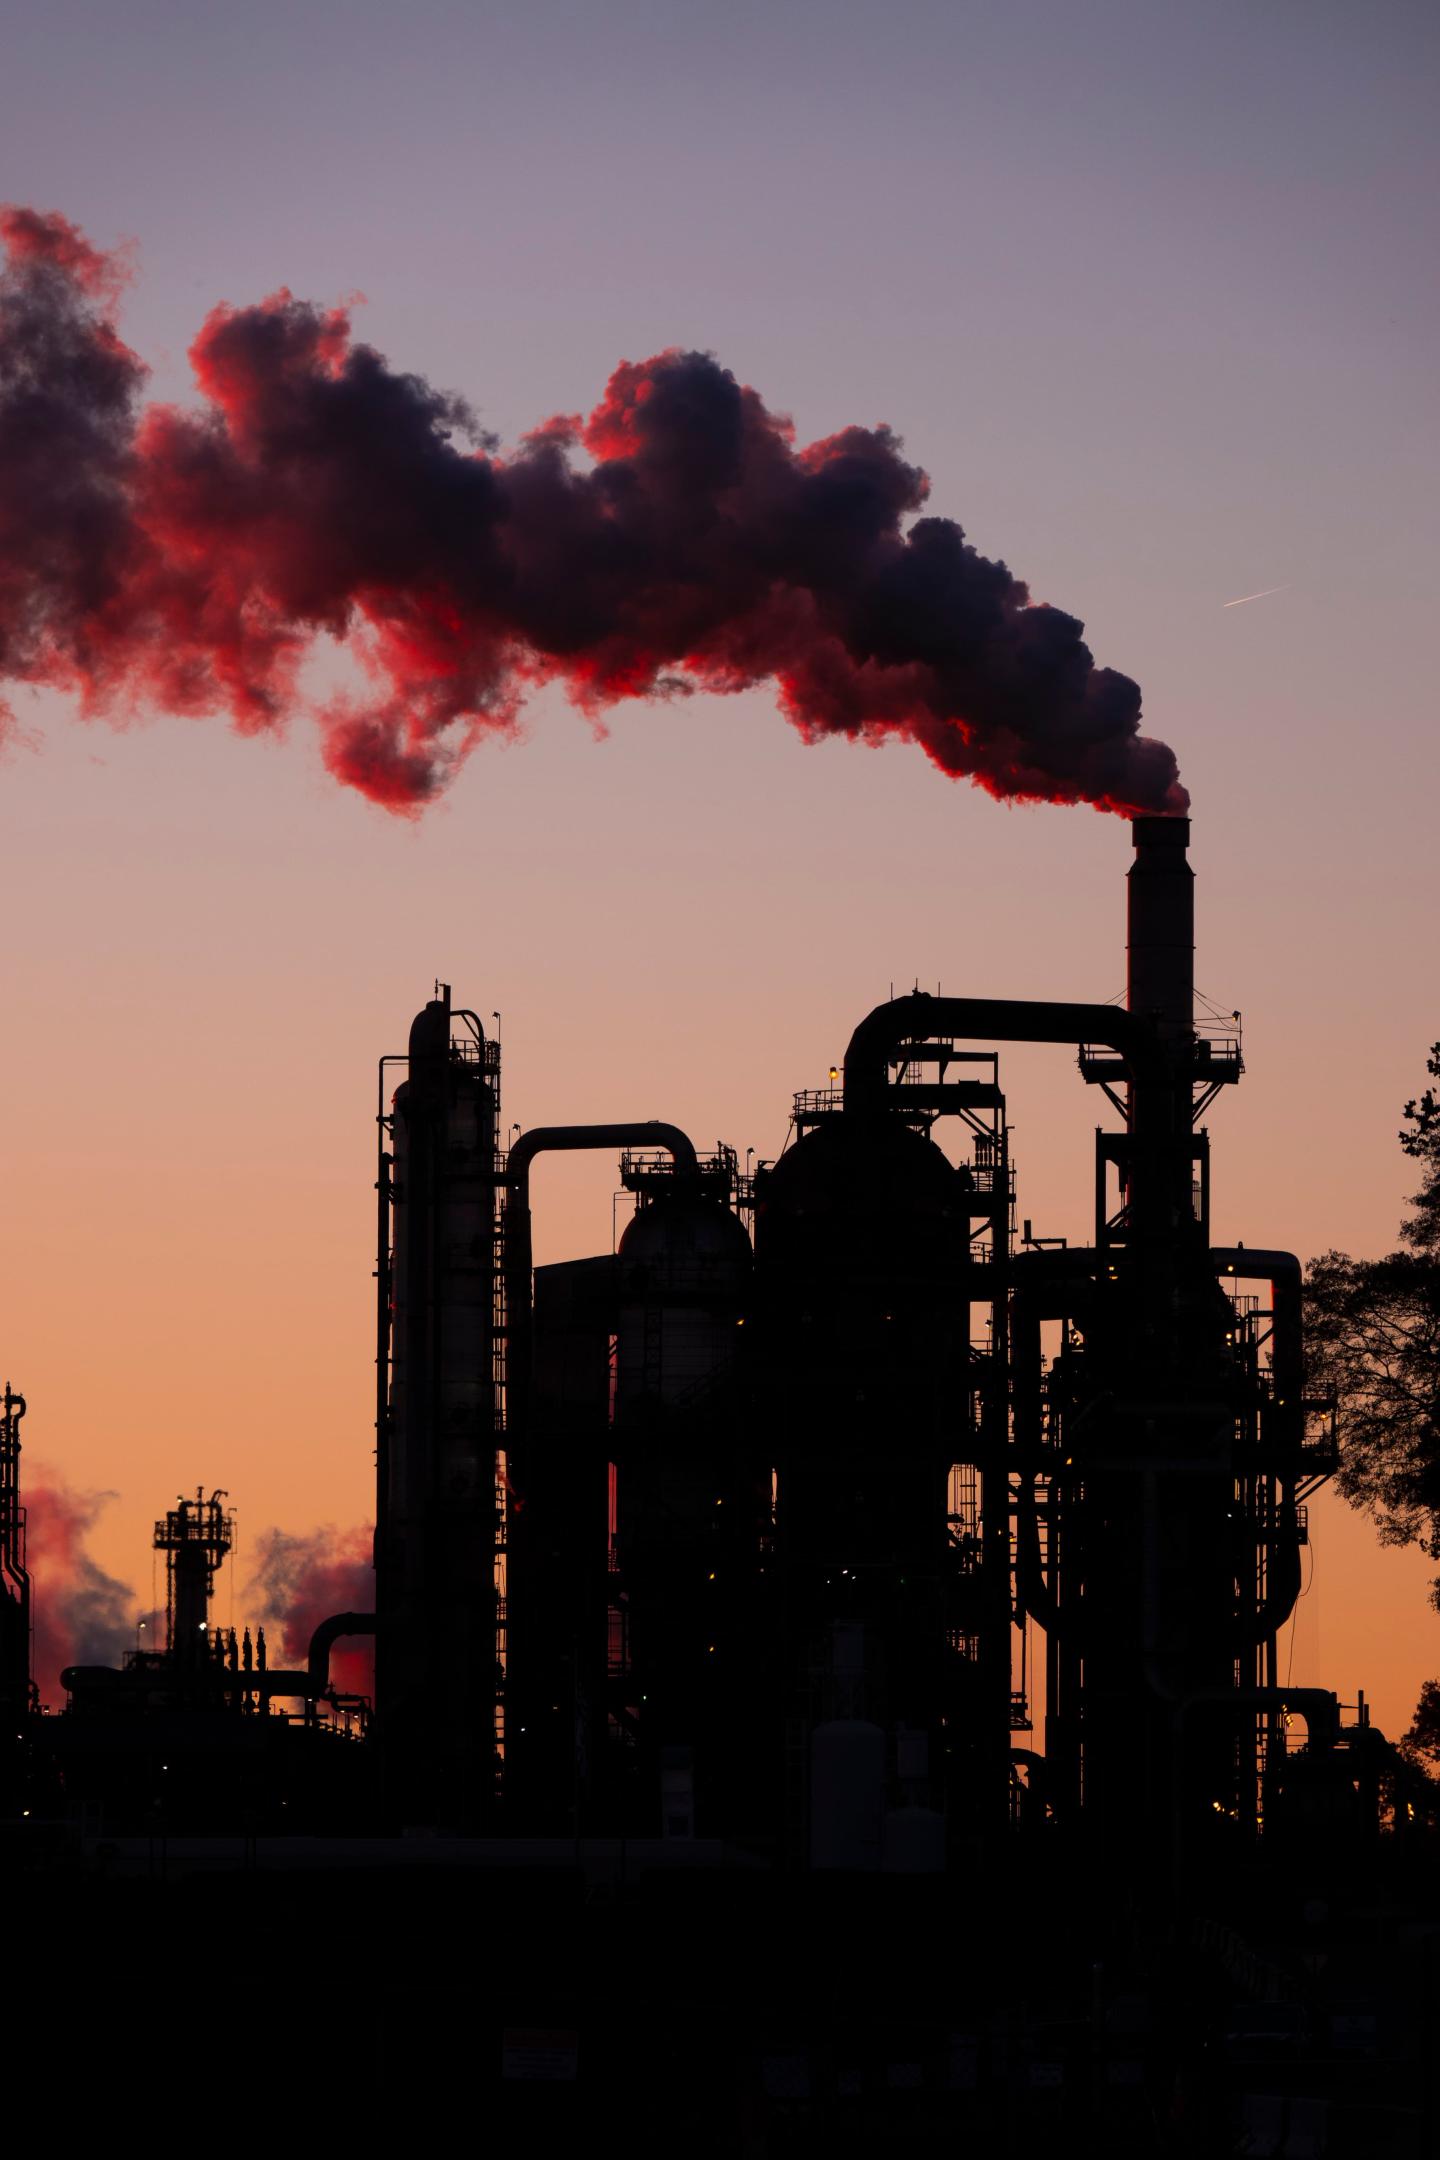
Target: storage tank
x: 862, y: 1325
x: 685, y: 1265
x: 689, y: 1506
x: 861, y: 1248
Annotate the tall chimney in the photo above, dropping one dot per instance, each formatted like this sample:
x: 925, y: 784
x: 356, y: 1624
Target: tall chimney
x: 1162, y: 923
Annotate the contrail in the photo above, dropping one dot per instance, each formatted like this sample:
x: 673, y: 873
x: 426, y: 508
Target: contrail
x: 1246, y: 598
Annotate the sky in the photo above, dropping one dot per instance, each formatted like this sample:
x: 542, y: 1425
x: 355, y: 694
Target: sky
x: 1148, y: 291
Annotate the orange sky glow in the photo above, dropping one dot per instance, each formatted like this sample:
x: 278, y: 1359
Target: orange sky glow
x: 1148, y: 318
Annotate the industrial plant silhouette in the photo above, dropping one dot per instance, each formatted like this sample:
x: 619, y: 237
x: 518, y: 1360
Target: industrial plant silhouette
x: 702, y: 1571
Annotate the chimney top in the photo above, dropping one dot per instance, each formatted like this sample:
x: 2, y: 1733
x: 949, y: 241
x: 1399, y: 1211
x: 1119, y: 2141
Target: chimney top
x: 1160, y: 832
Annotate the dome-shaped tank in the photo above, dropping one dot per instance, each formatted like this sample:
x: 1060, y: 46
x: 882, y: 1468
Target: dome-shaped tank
x: 861, y: 1350
x: 866, y: 1199
x: 685, y: 1264
x: 688, y: 1516
x: 861, y: 1245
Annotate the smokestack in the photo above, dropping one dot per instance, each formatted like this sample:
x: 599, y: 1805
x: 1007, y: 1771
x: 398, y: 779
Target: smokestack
x: 1161, y: 939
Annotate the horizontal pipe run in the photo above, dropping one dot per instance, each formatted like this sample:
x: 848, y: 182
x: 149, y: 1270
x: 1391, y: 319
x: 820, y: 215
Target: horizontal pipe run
x: 265, y: 1681
x: 918, y: 1016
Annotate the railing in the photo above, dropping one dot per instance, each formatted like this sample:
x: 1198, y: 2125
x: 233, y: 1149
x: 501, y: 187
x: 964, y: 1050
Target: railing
x: 811, y: 1103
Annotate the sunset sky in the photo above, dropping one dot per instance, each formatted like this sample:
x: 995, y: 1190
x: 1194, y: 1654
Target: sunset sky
x: 1149, y: 293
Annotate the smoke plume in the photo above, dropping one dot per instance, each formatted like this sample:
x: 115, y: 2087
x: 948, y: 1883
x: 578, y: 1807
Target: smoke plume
x: 303, y: 1580
x: 81, y: 1615
x: 677, y: 539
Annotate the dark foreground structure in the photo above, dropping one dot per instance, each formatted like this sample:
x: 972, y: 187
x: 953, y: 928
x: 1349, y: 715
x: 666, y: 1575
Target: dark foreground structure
x: 826, y: 1648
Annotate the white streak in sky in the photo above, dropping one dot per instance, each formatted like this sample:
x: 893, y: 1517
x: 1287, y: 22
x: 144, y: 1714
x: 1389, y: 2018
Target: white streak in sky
x: 1246, y: 598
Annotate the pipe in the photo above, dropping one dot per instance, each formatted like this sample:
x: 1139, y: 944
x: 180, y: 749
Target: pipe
x: 324, y: 1639
x: 1318, y: 1706
x: 11, y: 1527
x: 312, y: 1683
x: 1282, y: 1270
x: 1160, y: 1150
x: 1046, y: 1285
x: 918, y: 1017
x: 552, y: 1139
x: 517, y: 1262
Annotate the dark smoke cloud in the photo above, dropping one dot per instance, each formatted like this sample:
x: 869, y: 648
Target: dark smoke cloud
x: 81, y: 1615
x: 677, y: 539
x: 301, y: 1581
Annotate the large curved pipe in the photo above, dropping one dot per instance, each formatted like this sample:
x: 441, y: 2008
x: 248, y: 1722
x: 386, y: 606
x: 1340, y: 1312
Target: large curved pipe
x: 918, y: 1016
x: 1282, y: 1270
x: 314, y: 1681
x: 553, y: 1139
x: 1159, y: 1092
x: 324, y: 1639
x: 1318, y: 1706
x: 517, y: 1262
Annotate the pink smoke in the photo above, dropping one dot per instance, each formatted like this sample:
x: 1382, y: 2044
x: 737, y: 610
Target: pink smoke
x: 303, y: 1580
x: 81, y: 1615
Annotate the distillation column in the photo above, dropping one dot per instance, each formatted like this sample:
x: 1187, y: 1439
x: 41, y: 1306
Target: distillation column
x: 435, y: 1547
x: 14, y: 1577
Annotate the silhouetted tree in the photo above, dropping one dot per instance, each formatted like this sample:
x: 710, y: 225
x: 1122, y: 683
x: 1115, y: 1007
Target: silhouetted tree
x: 1421, y: 1745
x: 1374, y: 1343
